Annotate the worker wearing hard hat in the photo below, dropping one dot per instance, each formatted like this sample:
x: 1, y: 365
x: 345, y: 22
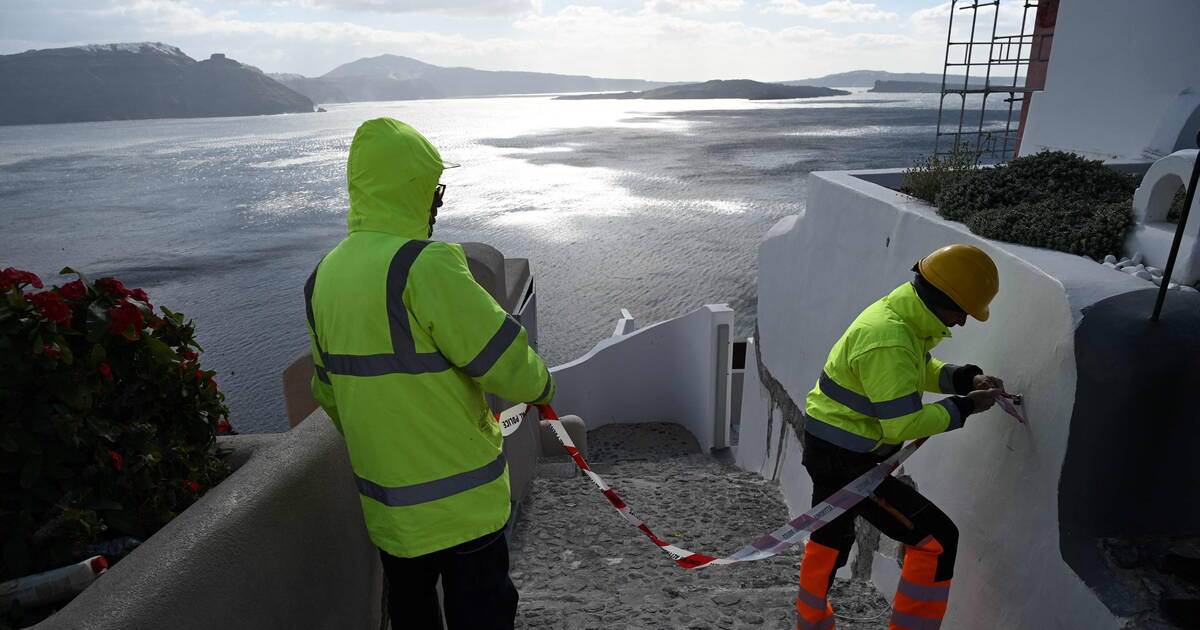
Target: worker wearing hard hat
x: 868, y: 402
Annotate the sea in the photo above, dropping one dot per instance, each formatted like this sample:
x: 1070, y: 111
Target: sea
x: 657, y: 207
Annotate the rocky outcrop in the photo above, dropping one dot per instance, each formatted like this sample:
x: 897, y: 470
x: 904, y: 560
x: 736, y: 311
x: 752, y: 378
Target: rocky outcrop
x: 134, y: 81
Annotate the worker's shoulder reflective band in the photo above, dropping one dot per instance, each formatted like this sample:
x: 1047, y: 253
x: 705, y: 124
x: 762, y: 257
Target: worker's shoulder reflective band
x: 509, y: 329
x: 913, y: 622
x: 956, y: 418
x: 894, y: 408
x: 922, y: 592
x: 404, y: 358
x: 837, y: 435
x: 402, y: 496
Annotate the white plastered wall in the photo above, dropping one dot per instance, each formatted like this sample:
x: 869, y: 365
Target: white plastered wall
x: 665, y: 372
x: 1122, y: 79
x: 997, y: 479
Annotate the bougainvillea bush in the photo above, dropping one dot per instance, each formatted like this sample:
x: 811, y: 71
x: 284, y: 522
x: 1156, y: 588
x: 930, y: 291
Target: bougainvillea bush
x: 107, y: 420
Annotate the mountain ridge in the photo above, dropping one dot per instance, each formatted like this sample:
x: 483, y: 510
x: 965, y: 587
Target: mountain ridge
x: 395, y: 77
x: 133, y: 81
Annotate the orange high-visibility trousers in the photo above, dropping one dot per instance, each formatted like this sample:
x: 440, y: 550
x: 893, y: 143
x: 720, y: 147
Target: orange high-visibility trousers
x: 813, y: 611
x: 899, y: 512
x: 921, y: 598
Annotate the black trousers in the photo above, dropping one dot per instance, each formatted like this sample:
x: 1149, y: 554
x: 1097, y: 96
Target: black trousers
x: 897, y: 510
x: 478, y: 593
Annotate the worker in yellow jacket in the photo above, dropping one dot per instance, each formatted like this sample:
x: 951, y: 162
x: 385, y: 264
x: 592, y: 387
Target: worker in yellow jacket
x: 867, y: 403
x: 405, y: 344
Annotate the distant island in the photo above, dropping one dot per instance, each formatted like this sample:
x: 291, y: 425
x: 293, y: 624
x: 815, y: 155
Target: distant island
x: 737, y: 88
x: 134, y: 81
x: 906, y: 86
x: 917, y: 81
x: 392, y: 78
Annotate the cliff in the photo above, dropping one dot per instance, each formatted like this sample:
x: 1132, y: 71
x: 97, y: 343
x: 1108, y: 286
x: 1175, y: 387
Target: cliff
x: 134, y: 81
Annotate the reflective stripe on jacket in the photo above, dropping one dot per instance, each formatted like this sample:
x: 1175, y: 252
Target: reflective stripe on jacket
x: 405, y: 343
x: 869, y: 393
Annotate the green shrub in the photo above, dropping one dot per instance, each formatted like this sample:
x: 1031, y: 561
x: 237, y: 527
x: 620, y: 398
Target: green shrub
x: 1052, y: 199
x: 1176, y: 209
x: 1089, y: 229
x: 929, y: 175
x: 107, y: 421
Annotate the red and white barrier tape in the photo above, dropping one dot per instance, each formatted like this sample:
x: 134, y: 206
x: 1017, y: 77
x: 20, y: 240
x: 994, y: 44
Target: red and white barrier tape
x: 786, y: 536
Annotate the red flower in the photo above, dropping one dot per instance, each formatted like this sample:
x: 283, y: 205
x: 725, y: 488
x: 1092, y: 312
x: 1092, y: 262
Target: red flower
x: 199, y: 375
x: 16, y: 276
x: 111, y: 286
x: 51, y: 306
x: 140, y: 296
x: 73, y: 290
x: 188, y: 484
x: 50, y: 352
x: 106, y: 371
x: 188, y: 355
x: 125, y: 316
x: 223, y: 427
x: 116, y: 459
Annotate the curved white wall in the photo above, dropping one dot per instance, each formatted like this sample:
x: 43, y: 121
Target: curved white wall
x: 997, y: 479
x: 1122, y: 80
x: 673, y: 371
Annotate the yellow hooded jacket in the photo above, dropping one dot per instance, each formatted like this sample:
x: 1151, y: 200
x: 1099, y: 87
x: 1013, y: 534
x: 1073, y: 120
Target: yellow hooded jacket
x: 868, y: 398
x: 405, y: 344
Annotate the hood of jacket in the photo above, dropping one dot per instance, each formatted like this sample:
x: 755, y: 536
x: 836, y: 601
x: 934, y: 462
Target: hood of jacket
x: 391, y: 174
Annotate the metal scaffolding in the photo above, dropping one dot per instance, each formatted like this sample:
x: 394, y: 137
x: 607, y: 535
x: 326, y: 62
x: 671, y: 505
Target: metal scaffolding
x: 991, y: 65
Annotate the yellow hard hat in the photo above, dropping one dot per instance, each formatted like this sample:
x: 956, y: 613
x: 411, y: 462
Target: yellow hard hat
x: 964, y: 273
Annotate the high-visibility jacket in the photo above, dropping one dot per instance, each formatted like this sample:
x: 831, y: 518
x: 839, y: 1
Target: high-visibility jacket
x: 405, y: 343
x: 869, y: 395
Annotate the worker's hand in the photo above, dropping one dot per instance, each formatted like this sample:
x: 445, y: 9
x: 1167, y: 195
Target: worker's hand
x: 983, y: 381
x: 984, y: 398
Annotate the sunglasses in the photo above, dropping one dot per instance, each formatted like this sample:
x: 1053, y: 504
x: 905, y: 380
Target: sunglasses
x: 438, y: 192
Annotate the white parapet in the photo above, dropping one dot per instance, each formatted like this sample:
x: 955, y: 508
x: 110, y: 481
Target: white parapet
x: 997, y: 479
x: 1152, y: 235
x: 673, y: 371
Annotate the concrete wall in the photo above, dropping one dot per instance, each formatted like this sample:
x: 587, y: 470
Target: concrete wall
x: 280, y: 544
x: 673, y: 371
x: 998, y: 480
x: 1123, y: 81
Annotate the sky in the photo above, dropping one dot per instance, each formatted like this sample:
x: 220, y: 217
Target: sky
x: 666, y: 40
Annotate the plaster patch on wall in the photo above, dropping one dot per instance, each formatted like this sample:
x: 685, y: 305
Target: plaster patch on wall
x: 791, y: 414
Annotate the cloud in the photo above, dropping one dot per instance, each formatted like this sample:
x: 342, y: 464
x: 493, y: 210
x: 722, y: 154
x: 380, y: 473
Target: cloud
x: 574, y: 39
x: 691, y: 6
x: 843, y: 11
x: 452, y: 7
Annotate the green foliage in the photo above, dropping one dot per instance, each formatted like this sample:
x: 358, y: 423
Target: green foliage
x: 1052, y: 199
x: 1176, y: 209
x: 107, y: 421
x: 929, y: 175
